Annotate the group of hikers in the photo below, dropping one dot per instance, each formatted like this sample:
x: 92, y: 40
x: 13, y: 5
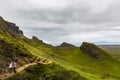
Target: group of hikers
x: 12, y: 67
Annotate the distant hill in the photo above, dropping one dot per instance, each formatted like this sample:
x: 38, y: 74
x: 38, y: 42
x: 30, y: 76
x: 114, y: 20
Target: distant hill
x: 66, y: 45
x: 40, y: 42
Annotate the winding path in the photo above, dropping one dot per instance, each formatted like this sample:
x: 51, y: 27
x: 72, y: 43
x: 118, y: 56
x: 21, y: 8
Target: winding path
x: 4, y: 76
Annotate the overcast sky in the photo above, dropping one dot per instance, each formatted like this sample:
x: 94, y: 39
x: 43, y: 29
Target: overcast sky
x: 73, y: 21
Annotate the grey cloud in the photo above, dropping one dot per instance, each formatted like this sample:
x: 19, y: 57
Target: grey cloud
x: 49, y: 30
x: 69, y: 15
x: 71, y: 20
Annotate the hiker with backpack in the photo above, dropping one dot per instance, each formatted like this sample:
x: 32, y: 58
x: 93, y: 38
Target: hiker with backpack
x: 14, y: 66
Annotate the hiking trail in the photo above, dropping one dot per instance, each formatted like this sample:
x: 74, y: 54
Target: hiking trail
x: 5, y: 76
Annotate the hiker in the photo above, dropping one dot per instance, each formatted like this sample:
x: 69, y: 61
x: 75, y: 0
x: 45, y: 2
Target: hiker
x: 14, y: 66
x: 10, y: 67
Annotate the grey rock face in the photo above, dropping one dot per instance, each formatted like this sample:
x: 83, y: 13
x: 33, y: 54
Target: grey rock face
x: 9, y: 27
x: 15, y: 28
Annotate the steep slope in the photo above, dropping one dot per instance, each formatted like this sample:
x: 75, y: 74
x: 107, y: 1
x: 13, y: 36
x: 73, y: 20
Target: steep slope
x: 10, y: 48
x: 9, y: 52
x: 85, y: 62
x: 88, y: 61
x: 15, y: 46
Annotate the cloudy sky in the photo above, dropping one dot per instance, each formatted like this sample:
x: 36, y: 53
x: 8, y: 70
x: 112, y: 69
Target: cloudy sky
x: 73, y: 21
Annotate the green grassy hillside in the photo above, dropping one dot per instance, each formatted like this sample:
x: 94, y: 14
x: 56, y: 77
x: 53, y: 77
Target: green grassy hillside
x: 25, y: 50
x: 103, y: 67
x: 14, y: 46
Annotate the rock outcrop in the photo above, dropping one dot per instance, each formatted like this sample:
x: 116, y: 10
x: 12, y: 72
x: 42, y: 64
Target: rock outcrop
x: 91, y: 49
x: 15, y: 28
x: 9, y: 27
x: 34, y: 38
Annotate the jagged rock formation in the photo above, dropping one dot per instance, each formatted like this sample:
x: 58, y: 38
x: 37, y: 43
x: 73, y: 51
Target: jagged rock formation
x: 15, y: 28
x: 67, y: 45
x: 9, y: 27
x: 91, y: 50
